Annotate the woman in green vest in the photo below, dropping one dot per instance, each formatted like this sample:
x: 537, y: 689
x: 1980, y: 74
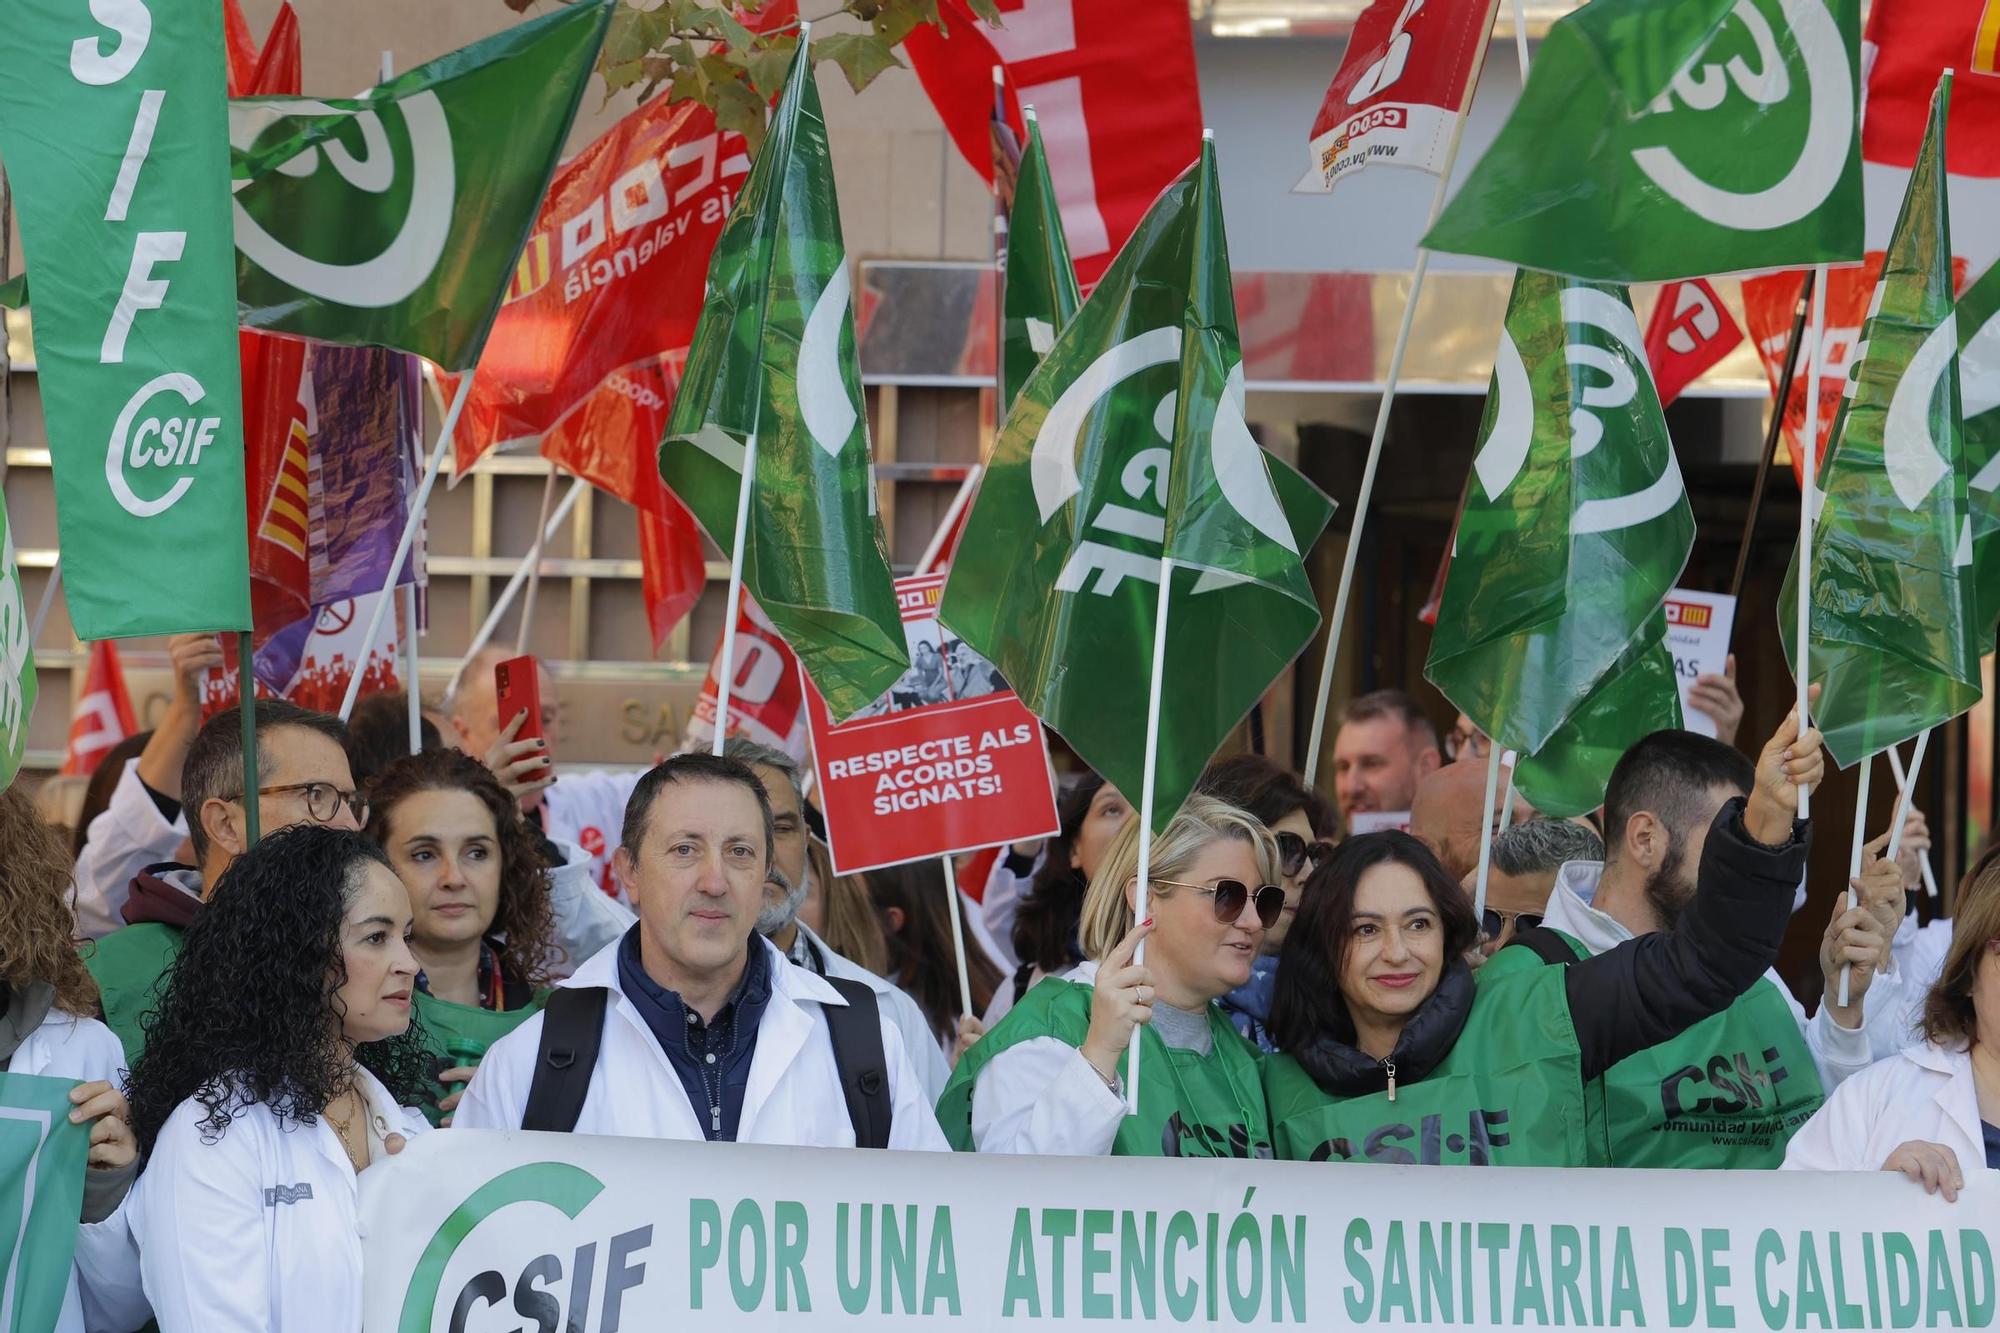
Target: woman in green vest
x: 479, y: 892
x: 1397, y: 1051
x: 1050, y: 1077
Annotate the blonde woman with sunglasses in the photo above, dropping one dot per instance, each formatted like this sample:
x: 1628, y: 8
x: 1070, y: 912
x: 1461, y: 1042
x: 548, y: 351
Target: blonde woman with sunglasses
x: 1049, y: 1078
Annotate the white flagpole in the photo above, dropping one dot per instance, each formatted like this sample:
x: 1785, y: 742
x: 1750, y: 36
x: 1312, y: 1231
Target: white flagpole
x: 726, y: 669
x: 520, y: 577
x: 1809, y: 466
x: 1337, y: 623
x: 534, y: 562
x: 48, y: 601
x: 1903, y: 796
x: 935, y: 551
x: 1513, y: 763
x: 1904, y: 784
x: 1854, y: 858
x: 1486, y: 832
x: 958, y: 935
x: 1146, y: 793
x: 410, y: 526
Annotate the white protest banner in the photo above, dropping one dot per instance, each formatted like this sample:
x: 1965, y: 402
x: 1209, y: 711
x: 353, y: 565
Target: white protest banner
x: 480, y: 1231
x: 1698, y: 625
x: 948, y: 760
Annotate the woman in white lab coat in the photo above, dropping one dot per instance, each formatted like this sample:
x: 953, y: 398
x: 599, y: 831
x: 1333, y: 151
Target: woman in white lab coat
x: 46, y: 999
x: 1932, y: 1111
x: 282, y: 1063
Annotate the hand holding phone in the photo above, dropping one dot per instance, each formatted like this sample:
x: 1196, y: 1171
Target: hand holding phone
x: 520, y: 758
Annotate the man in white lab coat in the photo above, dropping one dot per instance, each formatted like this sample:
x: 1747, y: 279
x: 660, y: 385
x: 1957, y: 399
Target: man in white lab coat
x: 706, y: 1031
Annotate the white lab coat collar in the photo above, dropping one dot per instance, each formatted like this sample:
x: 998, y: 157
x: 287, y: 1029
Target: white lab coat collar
x: 1958, y: 1096
x: 781, y: 1033
x: 1572, y: 910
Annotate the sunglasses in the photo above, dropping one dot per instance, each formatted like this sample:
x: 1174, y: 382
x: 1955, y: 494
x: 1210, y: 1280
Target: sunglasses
x: 1294, y: 852
x: 1231, y: 894
x: 1494, y: 921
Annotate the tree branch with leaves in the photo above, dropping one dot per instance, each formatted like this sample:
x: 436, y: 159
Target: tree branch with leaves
x: 733, y: 59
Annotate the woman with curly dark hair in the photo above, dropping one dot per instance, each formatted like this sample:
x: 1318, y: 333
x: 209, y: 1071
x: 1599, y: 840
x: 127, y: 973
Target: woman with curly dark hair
x: 46, y: 1030
x: 479, y: 889
x: 281, y: 1063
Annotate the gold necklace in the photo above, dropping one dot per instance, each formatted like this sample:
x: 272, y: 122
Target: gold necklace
x: 343, y: 1126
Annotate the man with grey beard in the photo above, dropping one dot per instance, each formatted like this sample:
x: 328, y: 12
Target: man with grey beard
x: 785, y: 890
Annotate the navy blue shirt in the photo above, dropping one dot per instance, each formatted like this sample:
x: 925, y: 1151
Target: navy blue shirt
x: 1992, y: 1136
x: 711, y: 1059
x: 1249, y: 1005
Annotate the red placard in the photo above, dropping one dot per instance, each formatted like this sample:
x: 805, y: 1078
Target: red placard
x: 947, y: 761
x: 1690, y: 331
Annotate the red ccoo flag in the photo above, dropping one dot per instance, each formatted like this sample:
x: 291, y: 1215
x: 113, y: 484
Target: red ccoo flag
x: 1907, y: 45
x: 1407, y: 71
x: 103, y: 715
x: 1112, y: 83
x: 587, y: 352
x: 1690, y: 331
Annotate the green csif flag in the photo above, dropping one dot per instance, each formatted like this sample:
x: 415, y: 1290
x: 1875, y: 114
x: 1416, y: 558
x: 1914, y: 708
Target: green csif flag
x: 1551, y: 635
x: 1129, y: 443
x: 17, y: 661
x: 41, y: 1195
x: 395, y: 218
x: 1662, y: 139
x: 112, y: 130
x: 773, y: 362
x: 1894, y: 615
x: 1978, y: 319
x: 1041, y: 295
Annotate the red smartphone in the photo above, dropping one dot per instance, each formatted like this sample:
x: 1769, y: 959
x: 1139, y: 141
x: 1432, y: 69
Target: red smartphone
x: 518, y: 686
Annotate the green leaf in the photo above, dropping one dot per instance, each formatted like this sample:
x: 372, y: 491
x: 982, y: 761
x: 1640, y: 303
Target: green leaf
x: 634, y: 33
x: 860, y: 55
x: 622, y: 75
x: 988, y: 10
x: 739, y: 37
x: 769, y: 62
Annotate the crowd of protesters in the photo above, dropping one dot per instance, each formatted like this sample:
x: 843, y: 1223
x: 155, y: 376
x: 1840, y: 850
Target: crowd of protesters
x: 421, y: 942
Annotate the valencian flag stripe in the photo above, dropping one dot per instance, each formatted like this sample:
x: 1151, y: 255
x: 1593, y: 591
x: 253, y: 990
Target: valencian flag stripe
x: 1894, y: 614
x: 1129, y: 442
x: 1662, y: 139
x: 773, y: 358
x: 1550, y: 636
x: 395, y: 218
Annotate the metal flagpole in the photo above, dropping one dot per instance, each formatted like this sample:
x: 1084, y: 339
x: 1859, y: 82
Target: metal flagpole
x: 1906, y: 784
x: 246, y: 708
x: 1809, y: 488
x: 514, y: 584
x: 1146, y: 793
x: 1854, y: 857
x: 410, y: 526
x: 413, y: 688
x: 534, y: 562
x: 725, y: 676
x: 1337, y: 623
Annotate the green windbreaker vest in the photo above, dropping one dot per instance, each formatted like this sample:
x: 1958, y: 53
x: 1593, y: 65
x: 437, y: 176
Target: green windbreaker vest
x: 461, y: 1034
x: 128, y: 964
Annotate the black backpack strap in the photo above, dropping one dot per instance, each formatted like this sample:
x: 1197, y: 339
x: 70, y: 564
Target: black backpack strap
x: 856, y: 1030
x: 572, y: 1031
x: 1550, y: 947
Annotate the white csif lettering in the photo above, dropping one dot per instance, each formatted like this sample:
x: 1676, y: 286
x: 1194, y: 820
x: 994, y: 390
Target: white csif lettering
x: 133, y: 22
x: 157, y: 442
x: 142, y: 291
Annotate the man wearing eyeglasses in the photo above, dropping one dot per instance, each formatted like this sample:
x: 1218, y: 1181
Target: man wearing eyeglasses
x: 302, y: 777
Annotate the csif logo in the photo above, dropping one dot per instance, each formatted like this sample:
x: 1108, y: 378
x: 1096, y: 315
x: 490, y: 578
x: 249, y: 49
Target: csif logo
x: 1807, y: 29
x: 1729, y: 1083
x: 1425, y: 1143
x: 314, y: 130
x: 565, y: 1188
